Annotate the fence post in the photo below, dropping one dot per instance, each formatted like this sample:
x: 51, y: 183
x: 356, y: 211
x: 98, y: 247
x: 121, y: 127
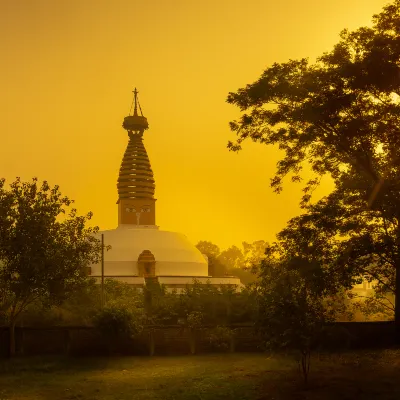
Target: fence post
x: 192, y: 341
x: 20, y: 342
x: 151, y: 342
x: 232, y: 343
x: 67, y: 341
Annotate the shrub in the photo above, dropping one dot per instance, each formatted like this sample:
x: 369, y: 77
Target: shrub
x: 195, y: 319
x: 115, y: 323
x: 219, y: 338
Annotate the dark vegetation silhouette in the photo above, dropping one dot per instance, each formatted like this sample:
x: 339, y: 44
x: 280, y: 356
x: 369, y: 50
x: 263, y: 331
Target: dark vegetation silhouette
x: 339, y: 117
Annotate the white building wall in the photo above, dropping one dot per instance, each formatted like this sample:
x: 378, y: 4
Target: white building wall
x: 177, y: 283
x: 173, y: 252
x: 162, y: 268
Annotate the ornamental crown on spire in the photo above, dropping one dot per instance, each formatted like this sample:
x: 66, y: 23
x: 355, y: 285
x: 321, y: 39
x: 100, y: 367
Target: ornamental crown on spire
x: 135, y: 124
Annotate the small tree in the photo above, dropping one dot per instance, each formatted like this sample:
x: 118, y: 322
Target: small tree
x: 42, y: 257
x: 292, y: 314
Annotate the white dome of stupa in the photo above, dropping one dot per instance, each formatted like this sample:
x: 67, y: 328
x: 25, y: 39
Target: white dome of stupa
x: 173, y: 252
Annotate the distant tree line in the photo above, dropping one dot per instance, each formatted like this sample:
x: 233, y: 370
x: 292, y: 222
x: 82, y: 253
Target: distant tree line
x: 234, y: 261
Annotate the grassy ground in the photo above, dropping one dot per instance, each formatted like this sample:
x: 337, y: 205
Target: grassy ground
x: 224, y: 376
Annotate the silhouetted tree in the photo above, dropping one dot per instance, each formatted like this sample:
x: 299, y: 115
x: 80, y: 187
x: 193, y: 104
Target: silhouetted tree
x: 290, y: 315
x: 234, y: 261
x: 253, y: 253
x: 232, y: 258
x: 43, y: 256
x: 208, y: 248
x: 244, y: 263
x: 212, y: 251
x: 341, y: 115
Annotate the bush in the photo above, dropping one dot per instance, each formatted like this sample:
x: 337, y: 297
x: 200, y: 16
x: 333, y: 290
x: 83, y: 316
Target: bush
x: 195, y: 320
x: 219, y: 338
x: 115, y: 323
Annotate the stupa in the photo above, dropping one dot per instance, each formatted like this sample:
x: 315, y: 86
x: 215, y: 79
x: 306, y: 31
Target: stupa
x: 140, y: 252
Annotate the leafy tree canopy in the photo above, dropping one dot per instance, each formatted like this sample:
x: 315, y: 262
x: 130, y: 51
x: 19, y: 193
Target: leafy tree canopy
x: 339, y: 114
x: 43, y: 257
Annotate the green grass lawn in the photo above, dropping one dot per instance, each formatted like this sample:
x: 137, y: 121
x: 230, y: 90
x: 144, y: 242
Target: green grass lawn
x: 220, y: 376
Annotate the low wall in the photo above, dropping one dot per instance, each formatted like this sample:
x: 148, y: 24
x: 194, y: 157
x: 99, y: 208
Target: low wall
x: 168, y: 340
x: 371, y: 334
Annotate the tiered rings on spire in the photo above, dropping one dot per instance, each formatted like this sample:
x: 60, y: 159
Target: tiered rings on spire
x: 135, y: 179
x: 135, y: 175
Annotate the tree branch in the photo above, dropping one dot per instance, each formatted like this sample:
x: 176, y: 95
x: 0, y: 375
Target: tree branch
x: 377, y: 300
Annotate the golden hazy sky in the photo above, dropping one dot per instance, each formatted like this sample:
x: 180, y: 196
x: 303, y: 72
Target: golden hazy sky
x: 67, y: 74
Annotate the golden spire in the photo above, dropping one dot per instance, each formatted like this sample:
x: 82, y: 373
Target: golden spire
x: 136, y: 184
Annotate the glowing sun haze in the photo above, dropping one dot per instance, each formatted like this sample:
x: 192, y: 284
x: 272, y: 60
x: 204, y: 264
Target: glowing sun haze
x: 67, y: 74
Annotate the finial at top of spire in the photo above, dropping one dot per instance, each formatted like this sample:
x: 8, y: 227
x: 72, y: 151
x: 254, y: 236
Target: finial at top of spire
x: 135, y: 92
x: 135, y: 123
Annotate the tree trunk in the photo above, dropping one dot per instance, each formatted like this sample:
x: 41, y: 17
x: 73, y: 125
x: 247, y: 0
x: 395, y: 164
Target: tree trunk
x: 232, y: 342
x: 11, y: 335
x: 305, y: 365
x: 67, y: 341
x: 151, y: 343
x: 192, y: 341
x: 397, y: 304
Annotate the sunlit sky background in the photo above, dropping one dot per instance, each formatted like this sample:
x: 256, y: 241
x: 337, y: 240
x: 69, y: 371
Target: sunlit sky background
x: 67, y: 74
